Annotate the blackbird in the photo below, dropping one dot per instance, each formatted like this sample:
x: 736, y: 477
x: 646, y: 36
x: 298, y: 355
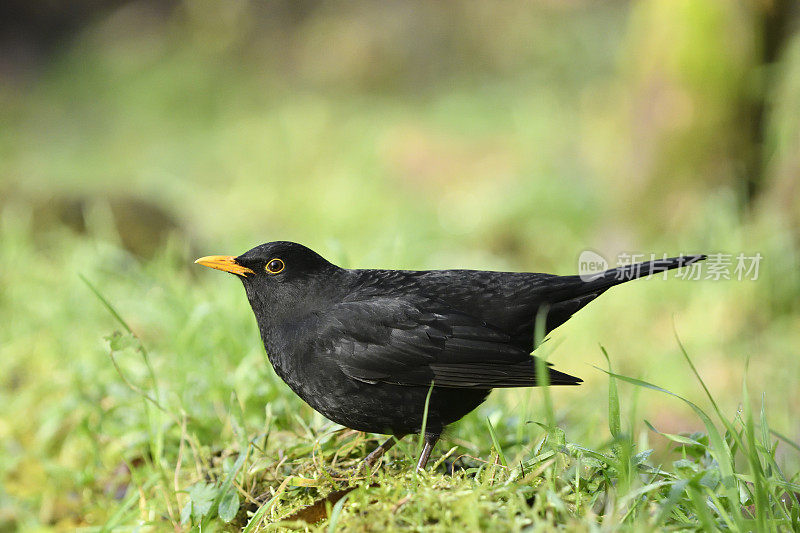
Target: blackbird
x: 369, y: 348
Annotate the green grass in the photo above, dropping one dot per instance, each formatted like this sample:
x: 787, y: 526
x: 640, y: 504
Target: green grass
x: 164, y: 410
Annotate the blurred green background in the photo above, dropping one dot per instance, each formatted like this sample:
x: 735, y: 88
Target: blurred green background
x: 138, y: 135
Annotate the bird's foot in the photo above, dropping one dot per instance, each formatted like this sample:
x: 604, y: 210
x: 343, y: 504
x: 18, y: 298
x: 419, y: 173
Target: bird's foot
x: 430, y: 442
x: 375, y: 455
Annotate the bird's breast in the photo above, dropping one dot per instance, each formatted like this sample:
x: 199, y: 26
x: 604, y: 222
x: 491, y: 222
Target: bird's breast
x: 320, y: 383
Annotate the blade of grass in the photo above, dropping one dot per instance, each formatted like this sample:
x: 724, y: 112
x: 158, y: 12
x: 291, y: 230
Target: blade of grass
x: 106, y: 304
x: 425, y: 419
x: 719, y: 449
x: 694, y: 370
x: 784, y: 439
x: 614, y: 425
x: 700, y: 506
x: 759, y: 487
x: 140, y: 345
x: 765, y: 440
x: 333, y: 521
x: 674, y: 496
x: 680, y: 439
x: 252, y: 524
x: 542, y: 372
x: 736, y: 436
x: 770, y: 457
x: 226, y: 485
x: 496, y: 443
x: 720, y: 508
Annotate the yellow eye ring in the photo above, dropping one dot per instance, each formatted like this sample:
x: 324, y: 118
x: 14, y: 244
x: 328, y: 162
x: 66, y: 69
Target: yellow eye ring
x: 274, y: 266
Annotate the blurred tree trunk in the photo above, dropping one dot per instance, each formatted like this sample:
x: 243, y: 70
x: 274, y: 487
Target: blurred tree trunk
x: 777, y: 20
x: 695, y: 109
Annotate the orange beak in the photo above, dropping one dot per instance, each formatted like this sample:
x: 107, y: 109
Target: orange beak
x: 224, y: 262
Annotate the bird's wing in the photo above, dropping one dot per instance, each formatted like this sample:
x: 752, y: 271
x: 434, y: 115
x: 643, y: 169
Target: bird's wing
x: 393, y: 341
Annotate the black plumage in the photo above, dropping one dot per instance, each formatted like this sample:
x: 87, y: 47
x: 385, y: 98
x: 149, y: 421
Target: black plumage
x: 362, y: 347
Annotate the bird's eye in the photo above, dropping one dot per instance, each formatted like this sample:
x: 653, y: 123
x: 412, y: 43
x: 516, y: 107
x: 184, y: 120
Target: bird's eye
x: 275, y: 266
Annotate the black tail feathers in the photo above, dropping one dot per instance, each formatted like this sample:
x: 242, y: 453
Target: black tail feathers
x: 621, y: 274
x: 572, y: 293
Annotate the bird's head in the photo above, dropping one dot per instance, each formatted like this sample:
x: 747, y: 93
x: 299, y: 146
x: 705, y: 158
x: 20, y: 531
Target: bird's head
x: 282, y: 279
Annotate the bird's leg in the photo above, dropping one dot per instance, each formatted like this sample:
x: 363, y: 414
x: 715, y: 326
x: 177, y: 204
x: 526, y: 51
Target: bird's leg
x: 430, y: 442
x: 378, y: 452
